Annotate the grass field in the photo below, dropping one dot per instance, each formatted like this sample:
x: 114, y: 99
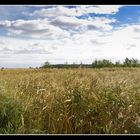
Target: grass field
x: 72, y: 101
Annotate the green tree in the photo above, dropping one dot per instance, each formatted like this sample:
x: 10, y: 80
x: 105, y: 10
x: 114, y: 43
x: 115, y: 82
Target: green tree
x: 131, y: 62
x: 46, y: 65
x: 118, y: 64
x: 102, y: 63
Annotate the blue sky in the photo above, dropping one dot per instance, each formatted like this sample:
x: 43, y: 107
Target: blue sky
x: 31, y: 35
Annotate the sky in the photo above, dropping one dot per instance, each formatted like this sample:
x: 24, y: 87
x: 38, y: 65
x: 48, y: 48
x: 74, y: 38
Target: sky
x: 31, y: 35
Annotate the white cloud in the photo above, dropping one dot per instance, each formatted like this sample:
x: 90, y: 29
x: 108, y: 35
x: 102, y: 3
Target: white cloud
x: 60, y: 22
x: 86, y: 47
x: 76, y: 11
x: 100, y: 9
x: 74, y: 23
x: 61, y: 36
x: 34, y: 28
x: 58, y: 28
x: 55, y: 11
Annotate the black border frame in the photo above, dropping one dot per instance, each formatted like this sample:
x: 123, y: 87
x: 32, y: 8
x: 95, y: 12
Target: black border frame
x: 68, y: 2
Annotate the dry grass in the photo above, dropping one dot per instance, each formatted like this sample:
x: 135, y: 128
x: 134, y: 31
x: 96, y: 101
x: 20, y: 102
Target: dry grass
x: 73, y: 101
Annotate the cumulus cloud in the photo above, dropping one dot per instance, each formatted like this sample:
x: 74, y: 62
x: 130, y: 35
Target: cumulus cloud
x: 34, y: 28
x: 100, y: 9
x: 79, y: 48
x: 60, y: 22
x: 22, y: 50
x: 97, y: 42
x: 55, y: 11
x: 32, y: 51
x: 58, y: 34
x: 76, y: 10
x: 2, y: 42
x: 88, y: 24
x: 21, y: 46
x: 58, y: 28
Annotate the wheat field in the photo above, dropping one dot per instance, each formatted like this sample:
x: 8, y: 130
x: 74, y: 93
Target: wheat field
x: 70, y: 101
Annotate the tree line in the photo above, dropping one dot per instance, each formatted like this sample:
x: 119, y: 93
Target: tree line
x: 96, y: 64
